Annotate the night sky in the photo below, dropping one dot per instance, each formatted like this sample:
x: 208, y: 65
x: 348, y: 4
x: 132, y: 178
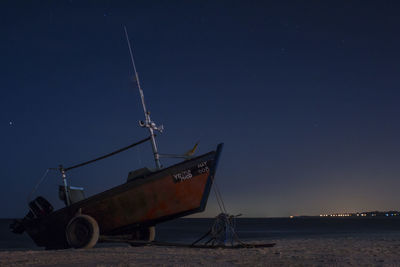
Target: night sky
x: 304, y: 94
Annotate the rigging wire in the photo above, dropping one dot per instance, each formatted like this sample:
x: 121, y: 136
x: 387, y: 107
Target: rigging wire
x: 139, y: 156
x: 219, y: 198
x: 38, y: 183
x: 107, y: 155
x: 218, y: 201
x: 82, y: 164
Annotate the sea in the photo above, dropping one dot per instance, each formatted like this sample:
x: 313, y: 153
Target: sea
x: 187, y: 230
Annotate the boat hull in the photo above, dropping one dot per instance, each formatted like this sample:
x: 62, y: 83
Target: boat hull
x: 173, y: 192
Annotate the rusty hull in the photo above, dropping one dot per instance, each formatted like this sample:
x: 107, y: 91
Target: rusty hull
x: 173, y: 192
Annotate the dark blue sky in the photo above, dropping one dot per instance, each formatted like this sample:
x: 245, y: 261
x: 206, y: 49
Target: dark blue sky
x: 305, y: 96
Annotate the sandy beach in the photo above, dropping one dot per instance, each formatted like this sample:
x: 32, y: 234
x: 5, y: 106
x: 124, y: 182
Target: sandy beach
x: 199, y: 122
x: 368, y: 250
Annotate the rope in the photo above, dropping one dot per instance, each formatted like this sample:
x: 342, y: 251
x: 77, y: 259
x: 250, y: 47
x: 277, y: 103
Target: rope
x: 223, y: 229
x: 37, y: 184
x: 219, y: 198
x: 83, y: 164
x: 107, y: 155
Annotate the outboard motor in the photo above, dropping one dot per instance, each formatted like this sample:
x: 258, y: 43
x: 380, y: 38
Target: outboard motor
x: 40, y: 207
x: 37, y: 208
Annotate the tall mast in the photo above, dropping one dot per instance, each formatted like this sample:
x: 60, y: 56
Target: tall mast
x: 148, y: 123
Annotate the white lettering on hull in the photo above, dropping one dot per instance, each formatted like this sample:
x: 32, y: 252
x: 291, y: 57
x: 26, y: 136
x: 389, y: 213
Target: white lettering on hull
x: 188, y: 174
x: 182, y: 176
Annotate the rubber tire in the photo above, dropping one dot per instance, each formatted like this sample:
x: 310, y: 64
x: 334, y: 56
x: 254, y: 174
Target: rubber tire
x: 82, y: 232
x: 145, y: 234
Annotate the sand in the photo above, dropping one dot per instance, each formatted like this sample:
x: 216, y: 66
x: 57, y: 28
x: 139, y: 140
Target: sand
x: 368, y: 250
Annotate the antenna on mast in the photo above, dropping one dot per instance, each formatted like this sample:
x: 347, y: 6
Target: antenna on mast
x: 148, y: 123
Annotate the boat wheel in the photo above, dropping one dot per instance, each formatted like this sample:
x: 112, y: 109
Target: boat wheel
x: 82, y: 232
x: 145, y: 234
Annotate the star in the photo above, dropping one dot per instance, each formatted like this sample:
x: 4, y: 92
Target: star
x: 11, y: 123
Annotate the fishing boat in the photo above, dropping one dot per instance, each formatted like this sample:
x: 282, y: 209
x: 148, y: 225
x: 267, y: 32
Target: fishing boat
x: 132, y: 209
